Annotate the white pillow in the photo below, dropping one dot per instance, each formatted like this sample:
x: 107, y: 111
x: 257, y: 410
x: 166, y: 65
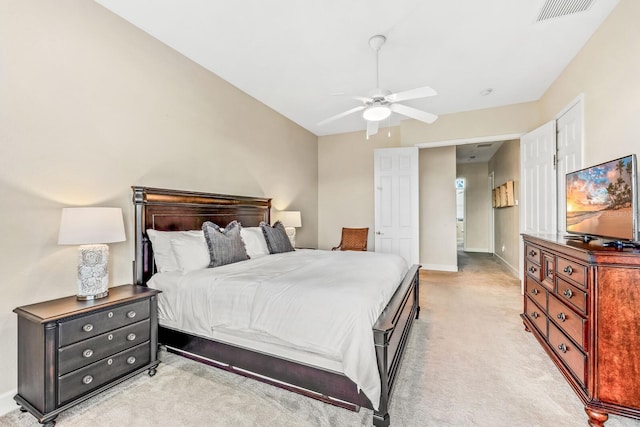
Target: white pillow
x: 254, y: 242
x: 191, y: 251
x: 162, y: 251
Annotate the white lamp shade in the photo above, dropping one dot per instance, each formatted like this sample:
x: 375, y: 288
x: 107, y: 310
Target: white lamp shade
x: 289, y: 218
x: 86, y: 226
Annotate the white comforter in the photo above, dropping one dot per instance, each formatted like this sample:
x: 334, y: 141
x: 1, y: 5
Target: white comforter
x: 325, y: 302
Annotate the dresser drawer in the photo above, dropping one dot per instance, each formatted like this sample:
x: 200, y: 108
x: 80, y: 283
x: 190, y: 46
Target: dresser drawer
x: 573, y: 295
x: 533, y: 253
x: 535, y: 315
x: 571, y: 355
x: 536, y: 292
x: 534, y: 270
x: 572, y: 271
x: 90, y: 377
x: 571, y: 323
x: 83, y: 353
x: 81, y: 328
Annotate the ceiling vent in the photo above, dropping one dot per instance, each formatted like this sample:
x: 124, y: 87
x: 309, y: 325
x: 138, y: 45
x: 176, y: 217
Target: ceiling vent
x: 485, y: 145
x: 555, y: 8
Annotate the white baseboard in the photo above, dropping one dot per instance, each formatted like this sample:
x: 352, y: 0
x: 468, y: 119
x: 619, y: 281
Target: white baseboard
x: 509, y: 266
x: 7, y: 404
x: 481, y: 250
x: 440, y: 267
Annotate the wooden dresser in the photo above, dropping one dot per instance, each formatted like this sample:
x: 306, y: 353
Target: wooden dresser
x: 582, y: 303
x: 70, y: 350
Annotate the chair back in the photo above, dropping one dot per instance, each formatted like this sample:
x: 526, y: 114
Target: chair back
x: 353, y: 239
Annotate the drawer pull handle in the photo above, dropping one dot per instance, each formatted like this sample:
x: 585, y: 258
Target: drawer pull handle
x: 131, y: 337
x: 562, y: 317
x: 131, y: 314
x: 568, y: 269
x: 87, y: 353
x: 567, y: 293
x: 532, y: 253
x: 88, y: 327
x: 110, y: 362
x: 110, y: 337
x: 534, y: 315
x: 532, y: 269
x: 562, y: 348
x: 131, y: 360
x: 110, y: 315
x: 87, y: 379
x: 534, y: 291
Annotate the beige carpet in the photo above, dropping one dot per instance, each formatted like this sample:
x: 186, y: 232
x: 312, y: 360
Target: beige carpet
x: 469, y: 363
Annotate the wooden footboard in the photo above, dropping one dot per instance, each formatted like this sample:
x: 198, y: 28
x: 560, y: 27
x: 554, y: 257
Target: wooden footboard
x: 390, y: 334
x: 173, y: 210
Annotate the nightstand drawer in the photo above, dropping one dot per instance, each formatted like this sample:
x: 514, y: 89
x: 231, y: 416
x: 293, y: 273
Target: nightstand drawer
x: 93, y: 376
x: 103, y: 321
x: 85, y: 352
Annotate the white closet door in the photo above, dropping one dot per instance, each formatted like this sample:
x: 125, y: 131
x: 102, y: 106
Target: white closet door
x: 538, y: 180
x: 397, y: 202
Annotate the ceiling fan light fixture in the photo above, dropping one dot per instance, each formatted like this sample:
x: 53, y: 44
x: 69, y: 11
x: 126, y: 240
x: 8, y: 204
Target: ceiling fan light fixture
x: 376, y: 113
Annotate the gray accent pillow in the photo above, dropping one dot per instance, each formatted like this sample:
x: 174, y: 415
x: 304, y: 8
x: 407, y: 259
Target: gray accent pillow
x: 276, y: 237
x: 225, y: 245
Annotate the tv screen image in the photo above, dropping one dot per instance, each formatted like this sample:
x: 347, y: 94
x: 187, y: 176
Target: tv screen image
x: 602, y: 200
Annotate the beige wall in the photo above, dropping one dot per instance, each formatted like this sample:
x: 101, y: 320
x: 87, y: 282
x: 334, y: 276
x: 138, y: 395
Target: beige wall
x: 505, y: 165
x: 345, y: 183
x: 607, y: 72
x: 477, y: 205
x: 512, y: 119
x: 438, y: 209
x: 90, y: 106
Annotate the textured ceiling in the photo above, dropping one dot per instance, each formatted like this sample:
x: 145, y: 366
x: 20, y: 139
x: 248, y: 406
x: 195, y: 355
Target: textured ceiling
x: 298, y: 56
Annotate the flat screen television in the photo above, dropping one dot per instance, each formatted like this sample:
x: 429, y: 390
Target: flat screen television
x: 602, y: 202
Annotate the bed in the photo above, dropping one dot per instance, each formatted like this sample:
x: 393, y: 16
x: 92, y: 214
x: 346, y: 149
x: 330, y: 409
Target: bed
x: 311, y: 373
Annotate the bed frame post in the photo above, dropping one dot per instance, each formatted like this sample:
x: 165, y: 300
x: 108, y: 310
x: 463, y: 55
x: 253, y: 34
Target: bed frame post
x: 138, y: 267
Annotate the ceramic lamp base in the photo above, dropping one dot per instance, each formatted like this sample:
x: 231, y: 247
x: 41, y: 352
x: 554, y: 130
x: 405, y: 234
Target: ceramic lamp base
x: 93, y: 272
x: 291, y: 234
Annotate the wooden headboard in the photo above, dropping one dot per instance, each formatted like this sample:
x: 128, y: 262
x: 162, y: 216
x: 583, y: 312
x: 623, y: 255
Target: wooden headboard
x: 176, y: 210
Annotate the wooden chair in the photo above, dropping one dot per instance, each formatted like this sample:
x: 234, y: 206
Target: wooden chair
x: 353, y: 239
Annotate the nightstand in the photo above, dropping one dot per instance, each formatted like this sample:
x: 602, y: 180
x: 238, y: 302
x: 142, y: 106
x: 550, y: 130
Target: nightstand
x: 70, y: 350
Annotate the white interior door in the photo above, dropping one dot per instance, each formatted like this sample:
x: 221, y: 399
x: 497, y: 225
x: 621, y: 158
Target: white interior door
x: 537, y: 184
x: 569, y: 155
x: 538, y: 180
x: 396, y: 202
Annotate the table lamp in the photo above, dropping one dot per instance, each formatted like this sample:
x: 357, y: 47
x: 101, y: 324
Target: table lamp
x: 92, y: 228
x: 290, y: 220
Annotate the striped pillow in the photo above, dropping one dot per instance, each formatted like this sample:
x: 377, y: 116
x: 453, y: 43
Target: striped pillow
x: 225, y: 246
x: 276, y: 237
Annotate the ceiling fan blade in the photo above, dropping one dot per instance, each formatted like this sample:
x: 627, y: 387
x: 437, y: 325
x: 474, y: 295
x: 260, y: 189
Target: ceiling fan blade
x: 372, y: 128
x: 421, y: 92
x: 414, y: 113
x: 362, y: 98
x: 341, y: 115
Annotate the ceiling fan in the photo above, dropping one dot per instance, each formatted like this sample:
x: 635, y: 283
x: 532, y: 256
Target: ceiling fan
x: 381, y: 103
